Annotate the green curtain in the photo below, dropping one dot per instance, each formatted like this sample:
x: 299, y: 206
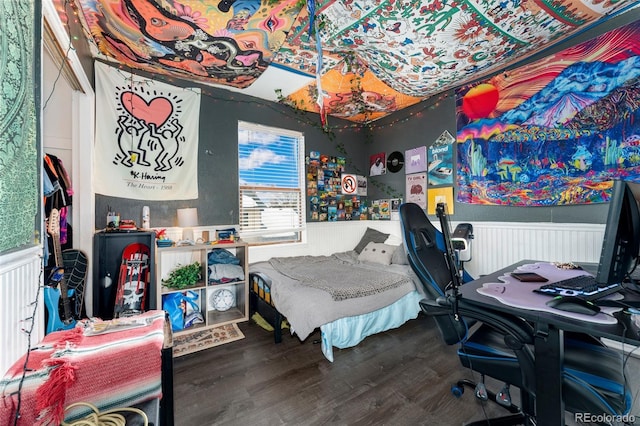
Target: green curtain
x: 19, y: 159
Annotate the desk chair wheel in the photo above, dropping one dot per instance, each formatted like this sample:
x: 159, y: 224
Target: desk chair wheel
x: 481, y: 391
x: 457, y: 390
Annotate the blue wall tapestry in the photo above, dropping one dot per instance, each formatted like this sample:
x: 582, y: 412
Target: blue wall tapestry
x: 19, y: 187
x: 554, y: 132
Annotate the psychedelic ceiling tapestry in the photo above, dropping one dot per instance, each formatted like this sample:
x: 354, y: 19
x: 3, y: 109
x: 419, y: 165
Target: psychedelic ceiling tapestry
x: 352, y: 93
x: 229, y: 42
x: 420, y: 48
x: 554, y: 132
x: 413, y: 49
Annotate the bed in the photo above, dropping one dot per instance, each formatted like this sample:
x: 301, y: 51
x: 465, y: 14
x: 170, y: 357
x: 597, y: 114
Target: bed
x: 347, y: 295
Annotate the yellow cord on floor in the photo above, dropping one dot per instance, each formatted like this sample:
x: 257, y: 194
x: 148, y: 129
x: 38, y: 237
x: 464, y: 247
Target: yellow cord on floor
x: 106, y: 418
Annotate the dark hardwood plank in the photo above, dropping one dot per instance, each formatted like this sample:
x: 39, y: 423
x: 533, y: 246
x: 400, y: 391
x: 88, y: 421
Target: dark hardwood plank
x: 399, y: 377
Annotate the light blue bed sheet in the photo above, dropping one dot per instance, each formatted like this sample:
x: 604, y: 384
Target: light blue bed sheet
x: 349, y: 331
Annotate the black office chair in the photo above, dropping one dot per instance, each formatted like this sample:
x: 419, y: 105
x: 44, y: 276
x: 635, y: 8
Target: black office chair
x: 501, y: 346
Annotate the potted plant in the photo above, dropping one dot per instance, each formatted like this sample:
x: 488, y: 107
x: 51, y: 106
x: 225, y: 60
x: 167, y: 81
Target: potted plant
x: 183, y: 276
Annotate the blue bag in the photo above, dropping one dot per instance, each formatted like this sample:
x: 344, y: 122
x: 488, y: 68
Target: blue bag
x: 172, y: 303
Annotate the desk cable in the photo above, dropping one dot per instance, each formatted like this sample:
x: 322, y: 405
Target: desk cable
x: 481, y: 393
x: 626, y: 356
x: 111, y: 417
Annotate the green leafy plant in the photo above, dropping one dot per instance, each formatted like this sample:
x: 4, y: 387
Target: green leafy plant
x: 183, y: 276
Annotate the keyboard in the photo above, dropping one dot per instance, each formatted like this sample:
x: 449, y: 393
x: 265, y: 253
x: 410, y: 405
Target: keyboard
x: 584, y: 286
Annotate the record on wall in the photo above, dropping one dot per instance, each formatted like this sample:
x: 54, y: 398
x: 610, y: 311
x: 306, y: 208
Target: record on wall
x: 395, y: 162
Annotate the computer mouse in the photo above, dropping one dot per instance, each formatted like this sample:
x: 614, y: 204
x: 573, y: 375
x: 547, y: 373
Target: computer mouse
x: 573, y: 304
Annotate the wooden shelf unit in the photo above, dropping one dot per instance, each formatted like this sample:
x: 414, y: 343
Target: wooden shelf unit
x: 168, y: 258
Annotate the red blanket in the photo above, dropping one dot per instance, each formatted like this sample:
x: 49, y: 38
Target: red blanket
x: 110, y: 370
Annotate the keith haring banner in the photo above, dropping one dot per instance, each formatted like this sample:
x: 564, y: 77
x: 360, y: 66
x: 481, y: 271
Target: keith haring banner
x: 146, y: 137
x: 554, y: 132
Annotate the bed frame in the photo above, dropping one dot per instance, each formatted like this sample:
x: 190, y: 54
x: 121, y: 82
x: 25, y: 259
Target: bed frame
x: 260, y: 301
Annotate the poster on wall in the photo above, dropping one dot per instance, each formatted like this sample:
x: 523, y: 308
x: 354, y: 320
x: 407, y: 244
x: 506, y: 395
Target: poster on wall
x: 362, y: 185
x: 415, y: 160
x: 146, y: 144
x: 440, y: 195
x: 395, y: 208
x: 416, y: 186
x: 333, y: 195
x: 440, y: 169
x: 555, y: 131
x: 377, y: 164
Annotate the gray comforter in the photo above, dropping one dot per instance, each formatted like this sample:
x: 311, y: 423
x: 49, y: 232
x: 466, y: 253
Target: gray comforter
x: 314, y: 290
x: 328, y: 273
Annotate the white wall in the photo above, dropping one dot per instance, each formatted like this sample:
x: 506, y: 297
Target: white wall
x: 495, y: 244
x: 56, y: 115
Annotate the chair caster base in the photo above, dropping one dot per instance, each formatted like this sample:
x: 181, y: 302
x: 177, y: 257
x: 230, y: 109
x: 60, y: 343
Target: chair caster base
x: 458, y: 389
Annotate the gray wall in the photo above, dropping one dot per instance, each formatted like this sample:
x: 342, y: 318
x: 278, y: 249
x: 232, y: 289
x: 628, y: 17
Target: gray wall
x: 424, y: 129
x: 220, y: 112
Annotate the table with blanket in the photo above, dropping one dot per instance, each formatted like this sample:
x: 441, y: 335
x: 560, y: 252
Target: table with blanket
x: 347, y: 297
x: 108, y: 364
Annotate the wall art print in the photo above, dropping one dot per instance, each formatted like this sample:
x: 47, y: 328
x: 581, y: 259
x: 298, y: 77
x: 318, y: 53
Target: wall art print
x: 554, y: 132
x: 416, y: 189
x: 440, y: 168
x: 415, y: 160
x: 146, y: 137
x: 377, y: 164
x: 440, y: 195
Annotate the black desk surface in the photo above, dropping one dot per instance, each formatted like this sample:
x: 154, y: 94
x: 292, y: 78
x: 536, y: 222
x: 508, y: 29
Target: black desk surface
x: 625, y: 330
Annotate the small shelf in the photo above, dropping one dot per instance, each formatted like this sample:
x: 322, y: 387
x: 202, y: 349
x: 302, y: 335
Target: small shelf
x: 197, y: 286
x: 168, y: 258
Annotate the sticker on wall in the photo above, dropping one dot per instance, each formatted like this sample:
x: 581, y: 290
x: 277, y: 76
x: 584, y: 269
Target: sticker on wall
x: 362, y: 185
x: 349, y: 184
x: 395, y: 208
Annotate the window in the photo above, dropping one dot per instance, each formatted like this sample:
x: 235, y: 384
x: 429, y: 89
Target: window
x: 271, y: 172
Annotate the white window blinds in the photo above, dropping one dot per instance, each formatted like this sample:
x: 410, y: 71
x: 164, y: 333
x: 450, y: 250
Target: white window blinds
x: 271, y: 172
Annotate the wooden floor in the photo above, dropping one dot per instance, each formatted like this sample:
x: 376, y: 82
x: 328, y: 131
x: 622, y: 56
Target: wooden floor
x: 400, y: 377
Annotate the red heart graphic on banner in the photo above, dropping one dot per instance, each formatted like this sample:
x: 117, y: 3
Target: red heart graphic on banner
x: 157, y: 111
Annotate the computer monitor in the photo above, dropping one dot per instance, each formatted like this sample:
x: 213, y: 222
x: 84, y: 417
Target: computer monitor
x: 621, y: 244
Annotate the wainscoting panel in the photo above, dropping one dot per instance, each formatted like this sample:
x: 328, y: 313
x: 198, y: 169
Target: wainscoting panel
x: 495, y: 245
x: 499, y: 244
x: 19, y: 283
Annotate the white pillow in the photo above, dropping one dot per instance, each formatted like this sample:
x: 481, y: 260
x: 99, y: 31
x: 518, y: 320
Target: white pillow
x: 377, y: 253
x: 399, y: 256
x: 393, y: 240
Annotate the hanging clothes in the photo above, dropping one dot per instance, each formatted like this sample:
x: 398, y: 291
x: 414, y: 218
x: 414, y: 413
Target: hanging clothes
x: 57, y: 195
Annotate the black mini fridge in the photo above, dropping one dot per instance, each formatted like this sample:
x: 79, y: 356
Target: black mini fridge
x: 108, y: 248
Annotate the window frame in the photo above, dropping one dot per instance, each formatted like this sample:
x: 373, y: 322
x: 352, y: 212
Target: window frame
x: 295, y: 197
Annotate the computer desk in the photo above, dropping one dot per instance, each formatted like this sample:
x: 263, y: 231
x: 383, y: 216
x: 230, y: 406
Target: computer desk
x: 548, y: 342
